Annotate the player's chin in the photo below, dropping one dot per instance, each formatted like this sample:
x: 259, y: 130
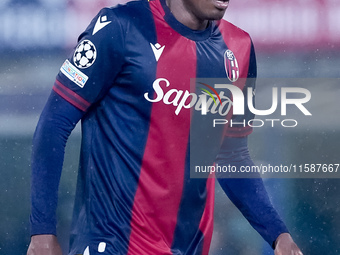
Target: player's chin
x: 219, y: 8
x: 219, y: 15
x: 216, y: 14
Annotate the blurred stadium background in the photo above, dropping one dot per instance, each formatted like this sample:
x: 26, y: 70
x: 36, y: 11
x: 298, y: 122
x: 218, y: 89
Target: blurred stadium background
x: 293, y: 39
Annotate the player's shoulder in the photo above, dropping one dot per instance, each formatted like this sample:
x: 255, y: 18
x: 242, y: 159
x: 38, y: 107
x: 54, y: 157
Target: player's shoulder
x: 116, y: 19
x: 129, y: 10
x: 123, y: 15
x: 233, y: 34
x: 231, y: 29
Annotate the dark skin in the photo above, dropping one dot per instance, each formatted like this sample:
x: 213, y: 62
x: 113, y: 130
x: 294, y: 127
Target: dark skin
x: 44, y: 245
x: 196, y: 15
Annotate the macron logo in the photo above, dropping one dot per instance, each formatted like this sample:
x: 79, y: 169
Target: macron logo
x: 157, y: 50
x: 101, y: 23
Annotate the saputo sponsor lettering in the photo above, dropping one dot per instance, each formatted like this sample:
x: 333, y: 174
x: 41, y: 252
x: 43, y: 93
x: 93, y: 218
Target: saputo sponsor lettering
x: 186, y: 100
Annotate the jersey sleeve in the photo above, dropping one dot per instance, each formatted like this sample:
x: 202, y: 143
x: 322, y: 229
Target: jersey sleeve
x: 249, y: 195
x: 84, y: 78
x: 56, y: 123
x: 238, y: 125
x: 91, y: 69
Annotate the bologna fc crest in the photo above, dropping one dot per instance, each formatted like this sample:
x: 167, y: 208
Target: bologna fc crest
x: 231, y: 66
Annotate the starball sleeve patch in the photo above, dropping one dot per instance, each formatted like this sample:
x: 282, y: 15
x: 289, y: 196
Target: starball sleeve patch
x: 85, y: 54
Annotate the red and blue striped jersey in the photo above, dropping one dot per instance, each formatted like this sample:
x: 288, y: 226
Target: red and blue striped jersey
x: 132, y: 68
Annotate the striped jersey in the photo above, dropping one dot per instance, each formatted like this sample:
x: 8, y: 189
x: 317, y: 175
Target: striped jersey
x: 134, y: 75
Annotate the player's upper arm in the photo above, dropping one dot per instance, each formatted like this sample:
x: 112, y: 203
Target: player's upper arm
x: 91, y: 69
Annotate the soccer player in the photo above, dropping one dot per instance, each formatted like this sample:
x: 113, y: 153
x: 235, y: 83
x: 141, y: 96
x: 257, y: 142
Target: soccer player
x: 128, y: 81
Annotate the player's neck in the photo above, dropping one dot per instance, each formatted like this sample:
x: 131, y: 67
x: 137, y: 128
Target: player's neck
x: 185, y: 16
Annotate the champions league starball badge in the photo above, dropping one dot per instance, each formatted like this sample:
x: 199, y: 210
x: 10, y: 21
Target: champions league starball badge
x: 85, y: 54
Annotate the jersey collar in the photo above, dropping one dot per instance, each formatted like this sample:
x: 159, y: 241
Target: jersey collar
x: 195, y: 35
